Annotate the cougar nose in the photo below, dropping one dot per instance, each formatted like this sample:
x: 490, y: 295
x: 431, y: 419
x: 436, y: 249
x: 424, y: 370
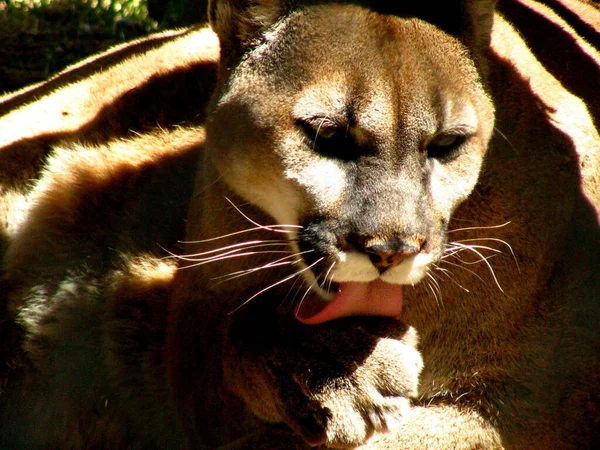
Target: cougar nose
x: 388, y: 253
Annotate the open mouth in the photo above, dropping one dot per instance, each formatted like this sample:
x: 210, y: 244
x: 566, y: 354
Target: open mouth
x: 374, y: 298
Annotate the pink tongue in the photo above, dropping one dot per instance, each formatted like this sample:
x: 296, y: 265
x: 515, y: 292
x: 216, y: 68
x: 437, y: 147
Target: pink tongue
x: 376, y: 298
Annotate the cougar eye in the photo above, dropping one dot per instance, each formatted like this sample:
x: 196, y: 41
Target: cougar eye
x: 445, y: 146
x: 329, y: 138
x: 320, y: 128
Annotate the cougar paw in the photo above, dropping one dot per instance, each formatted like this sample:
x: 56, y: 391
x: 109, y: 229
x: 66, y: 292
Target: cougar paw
x: 370, y: 397
x: 334, y: 384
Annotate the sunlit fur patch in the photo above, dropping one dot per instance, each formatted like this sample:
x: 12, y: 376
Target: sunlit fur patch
x: 327, y: 98
x: 14, y: 208
x: 459, y: 111
x: 276, y: 198
x: 75, y: 174
x: 146, y: 271
x: 323, y: 179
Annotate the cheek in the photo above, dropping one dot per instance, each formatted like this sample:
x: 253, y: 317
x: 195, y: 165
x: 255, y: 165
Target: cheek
x: 451, y: 184
x: 259, y: 181
x: 281, y: 203
x: 322, y: 181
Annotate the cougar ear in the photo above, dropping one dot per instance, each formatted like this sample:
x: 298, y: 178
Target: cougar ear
x: 240, y: 22
x: 478, y: 21
x: 476, y: 33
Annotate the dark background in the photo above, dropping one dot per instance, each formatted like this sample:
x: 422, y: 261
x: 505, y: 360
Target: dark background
x: 41, y: 37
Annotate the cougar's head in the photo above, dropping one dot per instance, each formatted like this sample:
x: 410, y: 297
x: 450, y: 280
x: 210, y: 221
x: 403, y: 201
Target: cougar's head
x: 366, y: 130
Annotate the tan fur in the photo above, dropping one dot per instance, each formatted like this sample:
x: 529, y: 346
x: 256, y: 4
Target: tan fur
x: 117, y: 335
x: 108, y: 96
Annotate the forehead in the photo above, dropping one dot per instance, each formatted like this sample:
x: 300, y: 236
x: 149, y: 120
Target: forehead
x: 344, y: 60
x: 358, y: 49
x: 352, y: 38
x: 319, y: 40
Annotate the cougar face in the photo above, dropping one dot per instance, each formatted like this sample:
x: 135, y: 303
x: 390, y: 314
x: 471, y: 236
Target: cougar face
x: 352, y: 126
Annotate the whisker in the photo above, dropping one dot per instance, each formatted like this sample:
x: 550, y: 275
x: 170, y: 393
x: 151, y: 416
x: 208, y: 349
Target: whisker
x: 484, y: 260
x: 228, y: 256
x: 435, y: 287
x: 453, y: 252
x: 264, y: 227
x: 429, y: 286
x: 458, y: 245
x: 317, y: 134
x: 231, y: 248
x: 447, y: 273
x: 479, y: 228
x: 448, y: 252
x: 327, y: 276
x: 454, y: 248
x: 496, y: 240
x: 435, y: 281
x: 236, y: 233
x: 277, y: 283
x: 277, y: 263
x: 485, y: 239
x: 295, y: 291
x: 277, y: 228
x: 464, y: 268
x: 241, y: 273
x: 506, y: 139
x: 471, y: 263
x: 310, y: 288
